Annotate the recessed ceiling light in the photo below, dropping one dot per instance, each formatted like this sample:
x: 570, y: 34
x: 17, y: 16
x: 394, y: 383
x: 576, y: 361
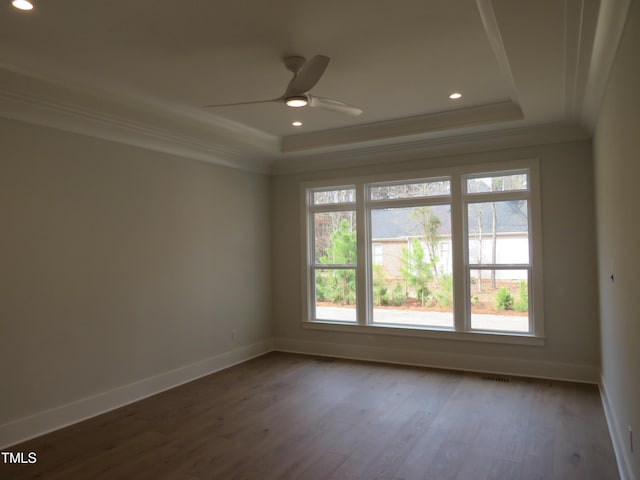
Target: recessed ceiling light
x: 455, y: 96
x: 296, y: 124
x: 296, y: 102
x: 22, y: 4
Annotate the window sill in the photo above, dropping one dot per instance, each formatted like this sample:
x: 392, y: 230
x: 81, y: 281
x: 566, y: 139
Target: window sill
x: 442, y: 334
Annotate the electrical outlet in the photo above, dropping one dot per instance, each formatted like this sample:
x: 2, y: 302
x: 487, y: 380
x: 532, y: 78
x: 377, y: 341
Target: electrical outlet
x: 630, y: 438
x: 234, y: 335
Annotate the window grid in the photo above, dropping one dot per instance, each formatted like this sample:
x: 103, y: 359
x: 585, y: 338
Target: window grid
x: 458, y: 198
x: 493, y: 197
x: 330, y: 204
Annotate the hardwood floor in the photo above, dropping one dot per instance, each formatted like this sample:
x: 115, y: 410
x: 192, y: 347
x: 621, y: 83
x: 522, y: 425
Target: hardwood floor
x: 284, y: 416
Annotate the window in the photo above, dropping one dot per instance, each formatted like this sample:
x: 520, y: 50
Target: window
x: 498, y: 269
x: 415, y: 220
x: 451, y: 254
x: 334, y: 258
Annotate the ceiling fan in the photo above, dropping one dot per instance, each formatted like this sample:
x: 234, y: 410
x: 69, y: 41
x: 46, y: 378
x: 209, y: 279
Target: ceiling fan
x: 306, y: 74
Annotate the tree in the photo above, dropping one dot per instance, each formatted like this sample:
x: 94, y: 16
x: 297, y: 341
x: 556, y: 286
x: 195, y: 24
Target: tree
x: 339, y: 285
x: 416, y: 270
x: 429, y: 224
x: 326, y: 223
x: 343, y: 246
x: 476, y: 211
x: 504, y: 299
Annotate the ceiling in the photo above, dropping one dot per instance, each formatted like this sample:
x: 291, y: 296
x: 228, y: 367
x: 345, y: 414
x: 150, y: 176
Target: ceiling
x: 145, y: 68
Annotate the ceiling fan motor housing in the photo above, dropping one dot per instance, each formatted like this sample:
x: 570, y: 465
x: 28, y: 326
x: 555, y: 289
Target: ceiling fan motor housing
x: 294, y: 63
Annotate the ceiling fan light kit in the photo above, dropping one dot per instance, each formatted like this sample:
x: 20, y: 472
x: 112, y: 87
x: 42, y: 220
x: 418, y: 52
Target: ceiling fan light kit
x: 297, y: 102
x: 22, y: 5
x: 306, y: 74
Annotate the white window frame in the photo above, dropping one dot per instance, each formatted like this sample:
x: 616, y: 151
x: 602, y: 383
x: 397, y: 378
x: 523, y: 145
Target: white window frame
x: 312, y: 265
x: 458, y: 199
x: 469, y: 198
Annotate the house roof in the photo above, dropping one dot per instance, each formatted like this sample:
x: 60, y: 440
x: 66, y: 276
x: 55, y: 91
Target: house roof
x: 399, y: 223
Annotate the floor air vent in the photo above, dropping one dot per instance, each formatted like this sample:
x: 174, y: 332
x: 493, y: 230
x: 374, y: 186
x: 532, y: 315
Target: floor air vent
x: 324, y: 360
x: 491, y: 378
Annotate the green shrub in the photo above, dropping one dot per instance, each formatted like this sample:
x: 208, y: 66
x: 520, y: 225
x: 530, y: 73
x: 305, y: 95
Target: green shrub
x: 423, y: 295
x: 522, y: 303
x: 322, y: 289
x: 344, y: 291
x: 504, y: 300
x: 444, y: 293
x: 398, y: 295
x: 337, y: 286
x: 380, y: 292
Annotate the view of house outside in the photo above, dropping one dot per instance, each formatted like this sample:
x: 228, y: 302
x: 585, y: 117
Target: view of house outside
x: 411, y: 265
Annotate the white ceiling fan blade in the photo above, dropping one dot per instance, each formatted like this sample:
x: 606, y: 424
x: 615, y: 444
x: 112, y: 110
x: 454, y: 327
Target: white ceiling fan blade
x: 334, y: 105
x: 243, y: 103
x: 307, y: 77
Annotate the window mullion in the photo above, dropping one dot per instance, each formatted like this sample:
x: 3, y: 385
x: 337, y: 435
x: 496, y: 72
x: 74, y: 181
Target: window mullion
x: 459, y: 255
x: 498, y: 196
x: 334, y: 207
x: 411, y: 202
x: 498, y: 266
x: 363, y: 233
x: 309, y: 309
x: 335, y: 266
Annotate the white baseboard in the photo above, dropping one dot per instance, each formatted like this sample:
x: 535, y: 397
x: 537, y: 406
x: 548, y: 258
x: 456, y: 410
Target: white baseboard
x: 61, y: 416
x: 451, y: 361
x: 618, y: 438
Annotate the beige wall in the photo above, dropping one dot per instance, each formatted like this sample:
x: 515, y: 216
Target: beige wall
x: 570, y: 284
x: 617, y: 167
x: 119, y: 264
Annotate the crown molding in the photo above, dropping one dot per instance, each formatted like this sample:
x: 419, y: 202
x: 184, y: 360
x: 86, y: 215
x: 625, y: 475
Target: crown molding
x: 612, y: 18
x: 461, y: 143
x: 491, y: 28
x: 418, y: 125
x: 581, y: 17
x: 171, y: 129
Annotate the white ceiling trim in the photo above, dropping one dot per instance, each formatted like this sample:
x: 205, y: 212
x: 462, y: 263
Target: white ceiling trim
x: 33, y: 100
x: 419, y: 125
x: 580, y: 20
x: 573, y: 13
x: 492, y: 29
x: 461, y: 143
x: 612, y: 17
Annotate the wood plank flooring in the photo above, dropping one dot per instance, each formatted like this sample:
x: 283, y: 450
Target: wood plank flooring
x: 285, y: 416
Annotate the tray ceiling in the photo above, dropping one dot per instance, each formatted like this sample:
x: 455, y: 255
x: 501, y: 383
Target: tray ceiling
x: 154, y: 63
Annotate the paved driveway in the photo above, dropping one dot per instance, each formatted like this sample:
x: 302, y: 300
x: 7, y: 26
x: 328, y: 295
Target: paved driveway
x: 482, y: 321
